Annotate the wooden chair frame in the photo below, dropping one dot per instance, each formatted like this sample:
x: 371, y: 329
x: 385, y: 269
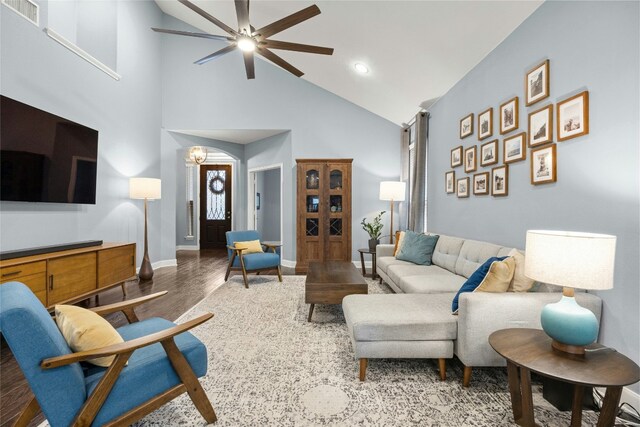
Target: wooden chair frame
x: 237, y: 252
x: 189, y: 382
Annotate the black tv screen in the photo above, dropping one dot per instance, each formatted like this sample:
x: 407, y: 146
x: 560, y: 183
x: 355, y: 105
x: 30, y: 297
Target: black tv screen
x: 44, y: 157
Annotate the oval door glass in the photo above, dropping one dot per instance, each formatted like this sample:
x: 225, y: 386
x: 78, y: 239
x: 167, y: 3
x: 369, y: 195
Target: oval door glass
x: 313, y: 179
x: 335, y: 180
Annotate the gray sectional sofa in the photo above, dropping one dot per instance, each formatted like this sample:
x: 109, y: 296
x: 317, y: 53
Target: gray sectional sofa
x: 416, y: 321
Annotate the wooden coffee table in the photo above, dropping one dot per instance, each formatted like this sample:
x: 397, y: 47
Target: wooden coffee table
x: 529, y: 350
x: 330, y: 281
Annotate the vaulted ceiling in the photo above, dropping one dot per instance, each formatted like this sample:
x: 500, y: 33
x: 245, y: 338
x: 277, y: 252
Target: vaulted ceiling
x: 416, y: 50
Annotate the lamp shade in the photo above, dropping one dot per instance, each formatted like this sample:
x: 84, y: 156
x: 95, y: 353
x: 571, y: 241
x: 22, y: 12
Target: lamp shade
x: 144, y: 188
x: 575, y: 260
x: 393, y: 190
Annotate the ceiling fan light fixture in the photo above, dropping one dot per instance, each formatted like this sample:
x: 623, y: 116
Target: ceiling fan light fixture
x: 246, y: 44
x: 361, y: 68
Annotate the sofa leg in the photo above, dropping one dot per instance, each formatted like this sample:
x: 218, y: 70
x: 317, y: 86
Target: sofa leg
x: 381, y: 280
x: 442, y: 364
x: 279, y: 273
x: 363, y: 368
x: 466, y: 379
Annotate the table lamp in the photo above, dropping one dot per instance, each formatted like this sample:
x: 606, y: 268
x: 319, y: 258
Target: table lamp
x: 147, y: 189
x: 393, y: 191
x: 572, y: 260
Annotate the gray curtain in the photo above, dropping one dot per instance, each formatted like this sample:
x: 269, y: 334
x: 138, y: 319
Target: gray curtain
x: 403, y: 208
x: 417, y: 203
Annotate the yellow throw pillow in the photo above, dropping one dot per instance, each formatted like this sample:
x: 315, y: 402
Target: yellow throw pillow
x: 499, y: 276
x: 251, y: 246
x: 85, y: 330
x: 399, y: 241
x: 520, y: 282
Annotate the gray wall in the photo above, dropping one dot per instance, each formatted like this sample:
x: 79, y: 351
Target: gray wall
x: 218, y: 96
x: 260, y: 214
x: 268, y: 185
x: 592, y: 46
x: 38, y: 71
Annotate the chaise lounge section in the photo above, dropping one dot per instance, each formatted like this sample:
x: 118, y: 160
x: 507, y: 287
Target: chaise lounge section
x: 417, y: 322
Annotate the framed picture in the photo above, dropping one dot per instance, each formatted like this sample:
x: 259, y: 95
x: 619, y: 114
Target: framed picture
x: 536, y: 83
x: 456, y: 157
x: 573, y: 116
x: 489, y: 153
x: 481, y: 183
x: 509, y: 119
x: 485, y: 124
x: 543, y: 165
x: 541, y: 126
x: 466, y: 126
x: 470, y: 161
x: 463, y: 187
x: 450, y: 182
x: 515, y: 148
x: 500, y: 181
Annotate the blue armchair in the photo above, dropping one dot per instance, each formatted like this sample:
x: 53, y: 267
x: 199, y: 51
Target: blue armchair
x: 163, y: 359
x: 249, y: 263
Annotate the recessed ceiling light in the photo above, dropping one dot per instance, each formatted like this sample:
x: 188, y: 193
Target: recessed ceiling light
x: 361, y: 68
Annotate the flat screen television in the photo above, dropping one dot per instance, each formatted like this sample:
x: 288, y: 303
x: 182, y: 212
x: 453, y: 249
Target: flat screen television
x: 44, y: 157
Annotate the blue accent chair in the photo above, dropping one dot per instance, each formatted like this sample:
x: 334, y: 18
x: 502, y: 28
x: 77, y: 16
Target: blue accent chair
x: 163, y: 359
x: 251, y: 263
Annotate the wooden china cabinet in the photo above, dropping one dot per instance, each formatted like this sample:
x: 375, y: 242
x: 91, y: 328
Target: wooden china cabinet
x: 323, y: 211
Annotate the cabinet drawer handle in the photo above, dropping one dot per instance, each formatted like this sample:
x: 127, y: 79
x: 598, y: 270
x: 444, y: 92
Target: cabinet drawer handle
x: 51, y: 282
x: 13, y: 273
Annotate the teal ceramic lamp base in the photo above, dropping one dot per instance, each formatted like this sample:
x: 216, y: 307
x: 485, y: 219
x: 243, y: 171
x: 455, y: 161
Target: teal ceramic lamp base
x: 571, y: 326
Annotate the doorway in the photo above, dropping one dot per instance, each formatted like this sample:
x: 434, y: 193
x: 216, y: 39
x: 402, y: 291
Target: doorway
x: 215, y: 205
x: 265, y: 202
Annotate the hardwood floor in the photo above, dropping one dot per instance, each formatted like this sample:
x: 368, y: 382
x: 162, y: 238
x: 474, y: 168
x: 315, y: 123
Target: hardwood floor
x: 198, y: 273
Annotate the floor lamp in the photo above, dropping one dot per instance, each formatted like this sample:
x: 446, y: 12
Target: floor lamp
x: 393, y: 191
x: 146, y: 189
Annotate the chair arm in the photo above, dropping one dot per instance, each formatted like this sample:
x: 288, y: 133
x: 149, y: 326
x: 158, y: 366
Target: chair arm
x: 124, y: 305
x: 384, y: 249
x: 272, y: 247
x: 239, y: 250
x: 125, y: 347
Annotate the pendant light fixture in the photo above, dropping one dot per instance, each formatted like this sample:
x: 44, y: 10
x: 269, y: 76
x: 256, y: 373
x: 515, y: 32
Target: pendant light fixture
x: 198, y: 154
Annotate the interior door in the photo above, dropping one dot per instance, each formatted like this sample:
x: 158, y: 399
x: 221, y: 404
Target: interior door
x: 215, y: 205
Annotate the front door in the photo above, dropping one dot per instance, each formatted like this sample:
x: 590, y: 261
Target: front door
x: 215, y: 205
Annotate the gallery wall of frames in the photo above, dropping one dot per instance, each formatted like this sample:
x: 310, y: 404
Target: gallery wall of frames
x: 486, y: 163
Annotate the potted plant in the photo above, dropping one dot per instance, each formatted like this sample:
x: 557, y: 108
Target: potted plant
x: 374, y: 229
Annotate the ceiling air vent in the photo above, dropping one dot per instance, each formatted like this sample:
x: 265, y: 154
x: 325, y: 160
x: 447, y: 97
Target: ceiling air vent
x: 25, y: 8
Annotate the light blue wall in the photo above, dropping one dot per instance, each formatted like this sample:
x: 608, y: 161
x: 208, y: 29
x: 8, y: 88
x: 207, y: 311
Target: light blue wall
x: 592, y: 46
x: 38, y: 71
x: 268, y: 216
x: 218, y: 96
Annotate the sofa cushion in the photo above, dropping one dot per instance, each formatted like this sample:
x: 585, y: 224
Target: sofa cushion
x: 472, y: 255
x: 435, y: 282
x: 398, y: 271
x: 417, y: 248
x: 520, y: 282
x: 498, y: 277
x: 385, y: 262
x: 474, y: 281
x: 446, y: 252
x: 400, y: 317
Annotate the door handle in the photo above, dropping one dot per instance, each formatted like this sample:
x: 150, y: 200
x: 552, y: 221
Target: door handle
x: 228, y: 214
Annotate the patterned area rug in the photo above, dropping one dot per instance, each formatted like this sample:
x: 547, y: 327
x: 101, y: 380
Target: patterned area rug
x: 269, y: 366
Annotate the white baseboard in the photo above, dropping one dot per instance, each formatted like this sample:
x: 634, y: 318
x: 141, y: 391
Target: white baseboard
x: 288, y: 263
x: 159, y: 264
x: 187, y: 248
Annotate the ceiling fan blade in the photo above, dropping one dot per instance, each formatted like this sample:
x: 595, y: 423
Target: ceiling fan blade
x: 242, y: 11
x: 279, y: 61
x: 249, y: 65
x: 215, y: 55
x: 289, y: 21
x: 209, y: 17
x: 276, y: 44
x: 191, y: 34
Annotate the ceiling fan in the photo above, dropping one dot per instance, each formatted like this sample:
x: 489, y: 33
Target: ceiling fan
x: 250, y: 40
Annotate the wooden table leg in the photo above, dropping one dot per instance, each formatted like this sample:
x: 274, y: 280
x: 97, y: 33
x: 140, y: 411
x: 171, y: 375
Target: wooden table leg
x: 364, y: 270
x: 514, y: 390
x: 609, y: 407
x: 576, y: 407
x: 310, y: 312
x: 527, y: 399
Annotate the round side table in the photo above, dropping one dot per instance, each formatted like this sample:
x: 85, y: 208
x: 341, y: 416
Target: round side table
x: 528, y: 350
x: 373, y: 262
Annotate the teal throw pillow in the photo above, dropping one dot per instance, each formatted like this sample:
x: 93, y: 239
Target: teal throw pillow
x: 474, y: 281
x: 417, y: 248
